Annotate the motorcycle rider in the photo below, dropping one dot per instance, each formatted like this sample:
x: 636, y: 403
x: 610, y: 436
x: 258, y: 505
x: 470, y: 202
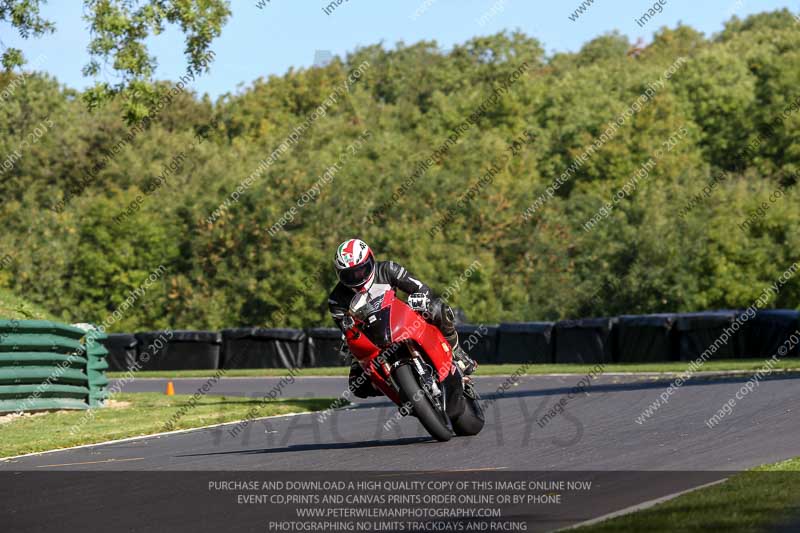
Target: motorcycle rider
x: 358, y: 271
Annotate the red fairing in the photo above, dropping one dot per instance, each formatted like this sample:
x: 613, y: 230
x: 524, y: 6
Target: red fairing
x: 408, y: 324
x: 366, y: 352
x: 405, y: 324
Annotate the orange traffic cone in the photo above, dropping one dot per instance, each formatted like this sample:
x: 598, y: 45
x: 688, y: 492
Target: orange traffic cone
x: 170, y: 389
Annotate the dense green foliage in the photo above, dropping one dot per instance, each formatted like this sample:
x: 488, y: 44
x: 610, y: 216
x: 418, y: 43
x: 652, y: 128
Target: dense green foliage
x: 70, y: 253
x: 15, y: 308
x: 120, y: 29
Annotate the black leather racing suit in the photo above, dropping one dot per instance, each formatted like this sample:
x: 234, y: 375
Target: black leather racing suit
x: 393, y: 276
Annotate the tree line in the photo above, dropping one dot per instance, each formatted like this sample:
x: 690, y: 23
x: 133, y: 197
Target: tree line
x: 88, y: 209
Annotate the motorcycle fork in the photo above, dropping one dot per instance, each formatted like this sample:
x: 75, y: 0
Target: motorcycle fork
x: 427, y: 373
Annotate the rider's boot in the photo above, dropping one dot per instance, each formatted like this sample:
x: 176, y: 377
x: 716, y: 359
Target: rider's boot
x: 464, y: 362
x: 359, y: 382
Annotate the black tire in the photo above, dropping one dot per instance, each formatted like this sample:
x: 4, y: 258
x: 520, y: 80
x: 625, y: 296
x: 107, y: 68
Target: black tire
x: 471, y: 421
x: 428, y: 415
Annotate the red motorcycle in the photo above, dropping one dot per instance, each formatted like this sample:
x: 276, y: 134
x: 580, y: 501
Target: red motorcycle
x: 411, y: 362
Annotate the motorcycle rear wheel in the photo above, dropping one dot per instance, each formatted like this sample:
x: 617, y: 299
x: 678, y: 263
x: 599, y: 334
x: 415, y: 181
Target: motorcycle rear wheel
x: 471, y: 421
x: 429, y: 416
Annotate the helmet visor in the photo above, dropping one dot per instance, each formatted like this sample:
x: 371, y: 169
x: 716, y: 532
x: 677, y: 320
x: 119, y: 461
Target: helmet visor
x: 358, y: 275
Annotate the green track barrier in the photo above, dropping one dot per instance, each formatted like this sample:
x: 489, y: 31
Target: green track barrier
x: 41, y: 390
x: 42, y: 327
x: 97, y: 364
x: 31, y: 342
x: 46, y: 365
x: 40, y: 374
x: 10, y: 359
x: 41, y: 404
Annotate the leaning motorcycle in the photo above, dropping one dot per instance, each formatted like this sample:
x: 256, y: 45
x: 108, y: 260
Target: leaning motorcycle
x: 410, y: 361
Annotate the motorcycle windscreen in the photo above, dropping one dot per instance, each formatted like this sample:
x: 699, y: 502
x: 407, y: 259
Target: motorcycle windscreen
x: 378, y: 327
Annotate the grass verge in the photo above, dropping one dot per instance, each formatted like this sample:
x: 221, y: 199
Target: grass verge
x: 132, y: 415
x: 755, y: 500
x: 491, y: 370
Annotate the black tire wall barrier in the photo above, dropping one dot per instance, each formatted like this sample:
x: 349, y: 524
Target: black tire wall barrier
x: 179, y: 350
x: 624, y: 339
x: 526, y: 342
x: 646, y: 339
x: 697, y: 332
x: 586, y: 341
x: 767, y: 332
x: 480, y: 342
x: 323, y: 347
x: 121, y: 351
x: 263, y: 348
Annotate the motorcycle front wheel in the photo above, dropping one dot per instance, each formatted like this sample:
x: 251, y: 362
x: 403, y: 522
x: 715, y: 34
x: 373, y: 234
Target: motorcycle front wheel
x: 431, y: 418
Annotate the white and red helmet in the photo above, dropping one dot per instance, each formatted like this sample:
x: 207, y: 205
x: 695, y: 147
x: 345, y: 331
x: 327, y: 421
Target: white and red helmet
x: 355, y: 264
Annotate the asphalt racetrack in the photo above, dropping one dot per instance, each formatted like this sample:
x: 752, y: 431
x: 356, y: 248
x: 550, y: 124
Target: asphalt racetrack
x: 597, y: 432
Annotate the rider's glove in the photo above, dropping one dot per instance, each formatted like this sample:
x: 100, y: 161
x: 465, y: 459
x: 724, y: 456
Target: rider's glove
x: 344, y: 349
x: 419, y: 301
x: 348, y: 322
